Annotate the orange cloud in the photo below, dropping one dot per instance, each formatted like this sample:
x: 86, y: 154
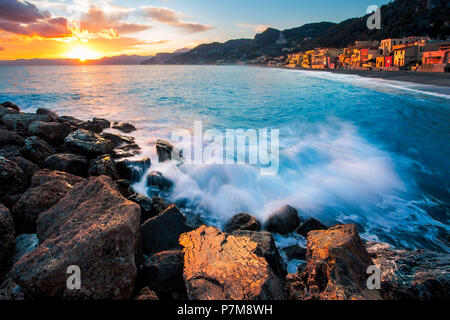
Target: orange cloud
x: 170, y: 17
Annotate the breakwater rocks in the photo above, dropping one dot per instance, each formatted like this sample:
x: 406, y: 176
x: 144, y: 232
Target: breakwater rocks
x: 66, y: 199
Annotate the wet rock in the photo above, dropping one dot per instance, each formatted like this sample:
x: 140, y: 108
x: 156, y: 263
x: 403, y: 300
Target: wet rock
x: 8, y: 137
x: 156, y: 179
x: 146, y: 294
x: 146, y: 206
x: 11, y: 291
x: 10, y: 105
x: 108, y: 225
x: 105, y: 124
x: 69, y: 162
x: 21, y: 121
x: 5, y: 111
x: 124, y: 127
x: 7, y: 235
x: 412, y: 275
x: 267, y: 249
x: 158, y: 206
x: 52, y: 132
x: 336, y: 269
x: 218, y: 266
x: 40, y: 197
x: 166, y: 151
x: 12, y: 179
x: 133, y: 170
x: 24, y: 243
x: 125, y: 188
x: 28, y: 167
x: 52, y: 115
x: 91, y: 126
x: 163, y: 273
x: 88, y: 142
x: 71, y: 120
x: 295, y: 252
x: 9, y: 151
x: 103, y: 165
x: 309, y: 225
x: 37, y: 150
x: 124, y: 146
x: 162, y: 232
x: 283, y: 221
x: 242, y: 221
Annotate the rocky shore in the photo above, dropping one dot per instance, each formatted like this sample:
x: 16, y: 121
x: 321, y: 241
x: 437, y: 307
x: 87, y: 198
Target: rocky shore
x: 66, y: 199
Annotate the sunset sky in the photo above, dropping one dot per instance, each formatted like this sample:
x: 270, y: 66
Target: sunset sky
x: 89, y: 29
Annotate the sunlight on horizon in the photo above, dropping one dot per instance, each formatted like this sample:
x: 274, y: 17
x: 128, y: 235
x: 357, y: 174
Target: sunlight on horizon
x: 82, y: 53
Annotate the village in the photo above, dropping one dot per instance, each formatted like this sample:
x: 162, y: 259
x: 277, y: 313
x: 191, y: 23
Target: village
x: 395, y: 54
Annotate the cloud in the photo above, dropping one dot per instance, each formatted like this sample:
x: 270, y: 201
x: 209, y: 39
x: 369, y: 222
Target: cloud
x: 46, y: 28
x: 21, y: 11
x: 172, y: 18
x: 255, y: 27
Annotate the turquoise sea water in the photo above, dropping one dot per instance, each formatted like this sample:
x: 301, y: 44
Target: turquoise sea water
x: 358, y: 150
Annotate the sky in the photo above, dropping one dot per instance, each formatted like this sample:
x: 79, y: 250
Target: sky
x: 91, y: 29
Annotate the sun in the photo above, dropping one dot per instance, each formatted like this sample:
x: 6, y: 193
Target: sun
x: 82, y: 54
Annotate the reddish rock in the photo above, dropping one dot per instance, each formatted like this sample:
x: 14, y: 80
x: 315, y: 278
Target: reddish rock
x: 218, y: 266
x: 52, y: 132
x: 93, y: 227
x: 242, y: 221
x: 146, y: 294
x: 28, y: 167
x: 283, y: 221
x: 76, y: 164
x: 7, y: 235
x: 8, y: 137
x: 12, y: 179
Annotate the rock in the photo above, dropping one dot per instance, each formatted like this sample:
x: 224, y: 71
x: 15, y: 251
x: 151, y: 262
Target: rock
x: 283, y: 221
x: 124, y: 146
x: 52, y: 115
x: 52, y: 132
x: 8, y: 137
x: 21, y: 121
x: 11, y: 291
x: 161, y: 233
x: 163, y: 273
x: 88, y: 142
x: 5, y: 111
x: 91, y: 126
x: 309, y: 225
x: 93, y: 227
x: 28, y: 167
x: 133, y: 170
x: 9, y: 200
x: 124, y: 127
x: 295, y: 252
x: 412, y: 275
x: 103, y: 165
x: 166, y: 151
x: 7, y: 235
x: 12, y: 179
x: 46, y: 175
x: 336, y: 269
x: 156, y: 179
x: 158, y: 206
x: 23, y: 244
x: 37, y: 150
x: 10, y: 105
x: 267, y: 249
x: 146, y: 206
x: 242, y: 221
x: 40, y: 197
x: 69, y: 162
x: 9, y: 151
x: 105, y: 124
x: 146, y: 294
x: 71, y: 120
x: 124, y: 187
x: 218, y: 266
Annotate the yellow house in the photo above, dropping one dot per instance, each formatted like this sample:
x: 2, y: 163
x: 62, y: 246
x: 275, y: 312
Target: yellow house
x: 306, y: 59
x: 294, y: 60
x: 380, y: 62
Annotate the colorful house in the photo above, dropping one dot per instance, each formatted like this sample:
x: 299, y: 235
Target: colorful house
x: 389, y: 61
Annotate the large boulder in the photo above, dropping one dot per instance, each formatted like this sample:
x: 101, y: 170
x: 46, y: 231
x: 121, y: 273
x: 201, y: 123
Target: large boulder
x: 310, y: 225
x: 104, y: 165
x: 166, y: 151
x: 91, y: 126
x: 412, y: 275
x: 283, y: 221
x: 28, y: 167
x: 219, y: 266
x: 71, y: 120
x: 7, y: 235
x: 147, y: 208
x: 162, y: 232
x: 24, y: 243
x: 37, y: 150
x: 337, y: 264
x: 8, y: 137
x: 12, y: 179
x: 92, y: 227
x: 242, y: 221
x: 9, y: 151
x: 10, y: 105
x: 21, y: 121
x: 158, y: 180
x: 76, y: 164
x: 52, y: 132
x: 40, y: 197
x: 133, y: 170
x: 105, y: 124
x: 88, y: 142
x: 5, y: 111
x: 52, y: 115
x: 124, y: 127
x: 124, y: 146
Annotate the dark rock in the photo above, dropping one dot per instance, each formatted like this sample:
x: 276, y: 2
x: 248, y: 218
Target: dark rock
x: 283, y: 221
x: 9, y: 200
x: 295, y: 252
x: 9, y: 151
x: 12, y: 179
x: 72, y: 163
x: 10, y: 105
x: 412, y: 275
x: 7, y: 235
x: 91, y: 126
x: 28, y: 167
x: 124, y: 187
x: 52, y: 132
x: 133, y: 170
x: 105, y: 124
x: 103, y: 165
x: 146, y: 294
x: 158, y: 206
x: 40, y: 197
x: 161, y: 233
x: 5, y: 111
x: 71, y: 120
x: 218, y: 266
x: 242, y: 221
x: 163, y: 273
x: 11, y: 291
x: 156, y: 179
x: 88, y: 142
x: 124, y: 146
x: 37, y: 150
x: 52, y: 115
x: 21, y: 121
x: 124, y: 127
x: 8, y: 137
x: 146, y: 206
x: 166, y: 151
x: 108, y: 225
x: 309, y: 225
x: 23, y: 244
